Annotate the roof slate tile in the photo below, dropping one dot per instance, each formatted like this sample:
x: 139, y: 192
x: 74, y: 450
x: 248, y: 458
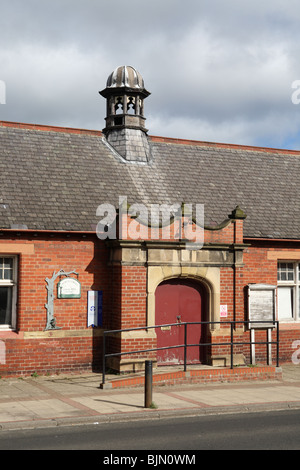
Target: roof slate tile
x: 56, y: 180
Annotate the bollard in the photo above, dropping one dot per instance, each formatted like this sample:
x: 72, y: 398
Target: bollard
x: 148, y: 384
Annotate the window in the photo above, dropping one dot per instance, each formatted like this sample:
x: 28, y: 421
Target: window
x: 288, y: 291
x: 7, y: 292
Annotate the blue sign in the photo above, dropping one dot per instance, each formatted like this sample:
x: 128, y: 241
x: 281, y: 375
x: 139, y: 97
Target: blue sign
x: 95, y: 301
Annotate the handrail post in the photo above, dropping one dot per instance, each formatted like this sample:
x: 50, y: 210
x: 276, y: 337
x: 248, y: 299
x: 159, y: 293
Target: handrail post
x: 103, y: 359
x: 185, y: 345
x: 277, y: 345
x: 269, y: 346
x: 231, y: 345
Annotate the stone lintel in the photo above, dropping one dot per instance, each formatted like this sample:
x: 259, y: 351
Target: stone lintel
x: 125, y: 252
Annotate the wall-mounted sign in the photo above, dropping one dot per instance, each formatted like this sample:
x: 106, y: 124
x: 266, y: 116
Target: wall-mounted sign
x: 223, y: 311
x: 51, y: 320
x: 95, y: 300
x: 262, y: 305
x: 69, y: 288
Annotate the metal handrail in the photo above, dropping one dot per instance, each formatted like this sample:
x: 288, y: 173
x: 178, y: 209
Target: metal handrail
x: 232, y: 324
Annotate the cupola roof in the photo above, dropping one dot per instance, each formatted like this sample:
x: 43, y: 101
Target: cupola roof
x: 125, y: 76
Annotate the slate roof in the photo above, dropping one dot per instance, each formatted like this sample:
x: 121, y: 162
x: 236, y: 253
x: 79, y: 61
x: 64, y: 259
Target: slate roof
x: 54, y: 179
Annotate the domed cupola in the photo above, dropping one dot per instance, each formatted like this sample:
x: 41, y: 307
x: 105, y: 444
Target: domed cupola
x: 125, y: 122
x: 125, y: 76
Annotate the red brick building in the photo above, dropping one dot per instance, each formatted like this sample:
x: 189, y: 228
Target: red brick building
x: 69, y: 270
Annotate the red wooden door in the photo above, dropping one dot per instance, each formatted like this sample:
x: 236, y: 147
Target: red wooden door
x: 178, y: 301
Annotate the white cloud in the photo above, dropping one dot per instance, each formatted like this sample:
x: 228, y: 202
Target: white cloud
x: 53, y: 85
x: 272, y: 130
x: 217, y: 70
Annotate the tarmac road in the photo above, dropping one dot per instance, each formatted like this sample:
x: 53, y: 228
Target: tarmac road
x: 271, y: 430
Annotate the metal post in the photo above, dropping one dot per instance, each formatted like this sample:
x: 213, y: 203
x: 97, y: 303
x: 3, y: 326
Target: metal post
x: 231, y: 346
x: 185, y: 339
x: 269, y: 348
x: 252, y: 341
x: 103, y: 359
x: 277, y: 345
x: 148, y: 384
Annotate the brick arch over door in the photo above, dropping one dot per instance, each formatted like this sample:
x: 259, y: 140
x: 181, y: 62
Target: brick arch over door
x: 178, y: 301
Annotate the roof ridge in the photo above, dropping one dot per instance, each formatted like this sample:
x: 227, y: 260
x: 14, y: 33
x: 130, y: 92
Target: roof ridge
x: 199, y: 143
x: 45, y: 127
x: 153, y: 138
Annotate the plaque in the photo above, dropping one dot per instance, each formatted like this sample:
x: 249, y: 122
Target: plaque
x: 69, y: 288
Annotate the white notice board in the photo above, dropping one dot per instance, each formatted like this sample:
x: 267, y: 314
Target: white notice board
x: 262, y: 305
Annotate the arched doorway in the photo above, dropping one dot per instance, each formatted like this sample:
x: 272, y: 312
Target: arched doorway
x: 178, y: 301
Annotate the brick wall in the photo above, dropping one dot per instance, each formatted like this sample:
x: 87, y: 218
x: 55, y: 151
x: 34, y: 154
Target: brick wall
x: 260, y: 266
x: 74, y: 346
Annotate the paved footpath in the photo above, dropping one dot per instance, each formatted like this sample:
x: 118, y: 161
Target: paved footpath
x: 69, y: 399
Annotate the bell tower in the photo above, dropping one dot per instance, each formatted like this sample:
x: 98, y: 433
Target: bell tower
x: 125, y: 122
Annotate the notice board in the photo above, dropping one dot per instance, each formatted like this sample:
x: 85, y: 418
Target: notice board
x: 262, y: 305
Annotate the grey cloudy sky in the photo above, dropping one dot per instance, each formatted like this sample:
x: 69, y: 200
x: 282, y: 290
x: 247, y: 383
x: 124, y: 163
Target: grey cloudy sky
x: 217, y: 70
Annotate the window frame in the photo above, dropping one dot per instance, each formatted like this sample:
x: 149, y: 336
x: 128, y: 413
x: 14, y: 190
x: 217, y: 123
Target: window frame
x: 13, y: 283
x: 295, y: 286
